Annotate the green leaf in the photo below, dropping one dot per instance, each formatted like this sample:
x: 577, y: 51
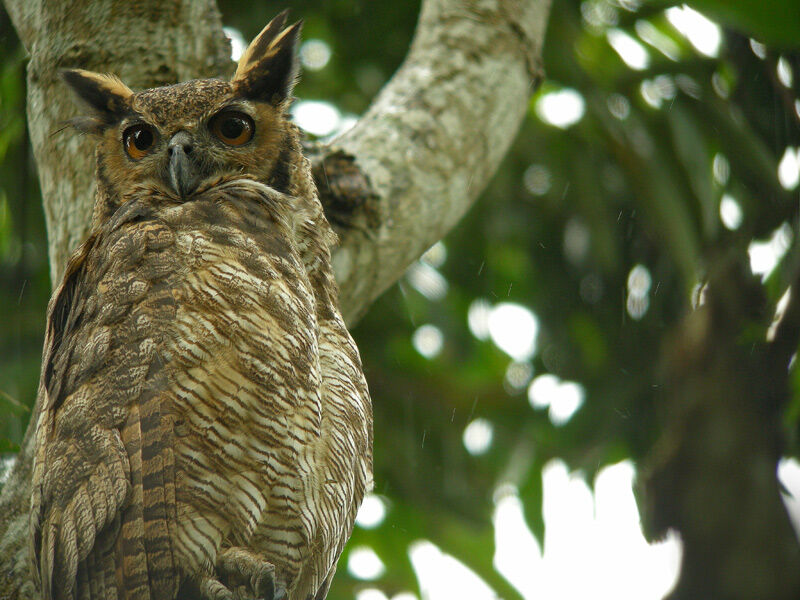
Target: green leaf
x: 775, y: 22
x: 532, y: 495
x: 652, y: 175
x: 692, y: 150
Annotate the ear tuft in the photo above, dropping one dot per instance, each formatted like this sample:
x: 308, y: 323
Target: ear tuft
x: 268, y: 68
x: 106, y: 95
x: 258, y: 47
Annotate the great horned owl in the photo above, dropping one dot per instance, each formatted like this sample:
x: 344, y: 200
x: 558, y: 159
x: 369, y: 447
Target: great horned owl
x: 205, y: 426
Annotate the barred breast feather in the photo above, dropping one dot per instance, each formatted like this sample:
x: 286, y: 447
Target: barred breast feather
x: 200, y: 392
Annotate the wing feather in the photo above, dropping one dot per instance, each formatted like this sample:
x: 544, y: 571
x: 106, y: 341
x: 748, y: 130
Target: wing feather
x: 100, y: 382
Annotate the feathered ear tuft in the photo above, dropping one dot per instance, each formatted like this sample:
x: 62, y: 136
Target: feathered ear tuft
x: 107, y: 97
x: 268, y: 68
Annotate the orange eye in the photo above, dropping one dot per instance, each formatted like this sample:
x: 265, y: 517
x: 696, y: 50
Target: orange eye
x: 233, y: 128
x: 138, y: 140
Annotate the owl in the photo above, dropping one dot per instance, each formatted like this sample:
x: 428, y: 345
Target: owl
x: 205, y: 429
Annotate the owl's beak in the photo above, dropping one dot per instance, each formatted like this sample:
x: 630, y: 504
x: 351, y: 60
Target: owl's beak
x: 182, y: 171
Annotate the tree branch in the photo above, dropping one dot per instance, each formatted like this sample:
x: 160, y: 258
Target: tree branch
x: 145, y: 43
x: 435, y: 135
x: 404, y: 175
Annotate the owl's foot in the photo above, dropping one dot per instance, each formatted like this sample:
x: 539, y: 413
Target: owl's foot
x: 211, y: 589
x: 250, y: 575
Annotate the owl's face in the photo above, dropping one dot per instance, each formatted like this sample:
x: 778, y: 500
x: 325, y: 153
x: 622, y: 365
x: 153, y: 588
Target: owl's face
x: 183, y: 135
x: 180, y: 138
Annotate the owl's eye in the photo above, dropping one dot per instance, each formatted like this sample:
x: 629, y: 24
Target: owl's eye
x: 138, y: 140
x: 233, y: 128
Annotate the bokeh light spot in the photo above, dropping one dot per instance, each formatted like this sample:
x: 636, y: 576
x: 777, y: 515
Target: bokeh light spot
x: 789, y: 476
x: 405, y: 596
x: 371, y: 594
x: 702, y: 33
x: 789, y: 168
x: 428, y: 341
x: 619, y: 106
x: 478, y: 437
x: 315, y: 54
x: 630, y: 51
x: 566, y: 401
x: 537, y: 180
x: 637, y: 306
x: 442, y: 577
x: 478, y: 318
x: 238, y: 44
x: 563, y: 398
x: 765, y: 256
x: 639, y: 280
x: 427, y: 280
x: 721, y: 169
x: 435, y: 255
x: 784, y: 72
x: 364, y: 564
x: 371, y: 513
x: 513, y: 328
x: 517, y: 376
x: 542, y: 389
x: 730, y: 212
x: 316, y: 117
x: 650, y: 34
x: 562, y: 108
x: 577, y: 240
x: 759, y: 49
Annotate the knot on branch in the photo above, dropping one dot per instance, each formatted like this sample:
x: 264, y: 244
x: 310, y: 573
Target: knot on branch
x: 344, y: 189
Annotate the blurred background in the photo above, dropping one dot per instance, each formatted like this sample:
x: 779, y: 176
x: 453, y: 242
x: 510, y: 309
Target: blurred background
x: 512, y: 368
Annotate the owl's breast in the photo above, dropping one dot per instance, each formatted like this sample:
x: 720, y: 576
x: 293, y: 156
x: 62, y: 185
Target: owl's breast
x: 243, y: 367
x: 264, y: 397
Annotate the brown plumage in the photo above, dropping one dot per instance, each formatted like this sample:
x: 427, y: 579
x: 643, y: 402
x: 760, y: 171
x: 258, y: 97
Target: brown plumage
x: 205, y: 429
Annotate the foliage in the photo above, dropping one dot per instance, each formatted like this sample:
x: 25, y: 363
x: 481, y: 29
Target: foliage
x: 638, y: 180
x: 24, y: 281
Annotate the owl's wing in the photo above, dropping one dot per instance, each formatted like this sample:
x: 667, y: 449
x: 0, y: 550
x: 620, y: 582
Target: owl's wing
x: 344, y: 471
x: 347, y: 439
x: 94, y: 526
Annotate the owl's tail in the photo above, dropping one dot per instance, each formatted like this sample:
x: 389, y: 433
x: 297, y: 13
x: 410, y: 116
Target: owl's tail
x: 145, y: 565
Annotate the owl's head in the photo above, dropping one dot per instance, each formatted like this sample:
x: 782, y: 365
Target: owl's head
x: 179, y: 137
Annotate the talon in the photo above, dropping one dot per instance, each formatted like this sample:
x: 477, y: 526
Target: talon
x: 279, y: 593
x: 263, y: 581
x: 212, y: 589
x: 240, y: 565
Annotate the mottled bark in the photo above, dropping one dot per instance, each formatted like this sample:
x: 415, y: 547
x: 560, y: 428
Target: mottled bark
x: 403, y: 175
x: 436, y: 134
x: 145, y: 43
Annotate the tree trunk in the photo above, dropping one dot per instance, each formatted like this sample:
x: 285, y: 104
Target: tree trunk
x: 712, y: 473
x: 397, y: 182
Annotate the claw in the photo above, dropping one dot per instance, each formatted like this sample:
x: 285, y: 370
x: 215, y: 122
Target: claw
x: 244, y: 567
x: 212, y: 589
x: 280, y: 594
